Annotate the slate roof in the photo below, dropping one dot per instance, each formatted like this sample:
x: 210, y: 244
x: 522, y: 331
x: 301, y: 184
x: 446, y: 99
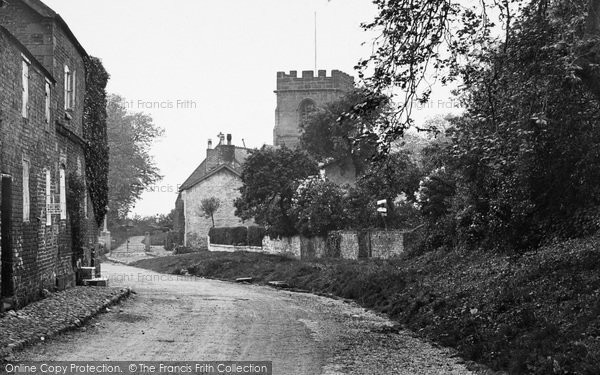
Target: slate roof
x: 202, y: 172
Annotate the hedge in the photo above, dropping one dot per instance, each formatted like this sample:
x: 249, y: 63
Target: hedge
x: 237, y: 236
x: 183, y: 250
x: 255, y: 235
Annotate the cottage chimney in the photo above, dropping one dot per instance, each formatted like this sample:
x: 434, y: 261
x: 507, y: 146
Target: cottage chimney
x: 221, y: 138
x: 210, y: 143
x: 229, y: 139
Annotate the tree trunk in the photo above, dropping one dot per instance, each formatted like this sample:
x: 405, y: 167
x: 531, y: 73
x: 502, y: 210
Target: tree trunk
x: 590, y: 74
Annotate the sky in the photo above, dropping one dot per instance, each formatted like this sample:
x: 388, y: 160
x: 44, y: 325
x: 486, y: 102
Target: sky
x: 201, y: 67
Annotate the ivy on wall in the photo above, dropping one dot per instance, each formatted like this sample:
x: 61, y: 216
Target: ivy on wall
x: 94, y: 131
x: 75, y: 197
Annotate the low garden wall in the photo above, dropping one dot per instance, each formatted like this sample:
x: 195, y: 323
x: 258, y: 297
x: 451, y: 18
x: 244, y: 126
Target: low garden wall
x: 339, y: 244
x: 232, y: 248
x: 285, y: 245
x: 386, y: 244
x: 344, y: 244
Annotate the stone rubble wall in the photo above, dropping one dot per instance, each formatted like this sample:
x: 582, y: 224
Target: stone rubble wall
x: 338, y: 244
x: 231, y: 248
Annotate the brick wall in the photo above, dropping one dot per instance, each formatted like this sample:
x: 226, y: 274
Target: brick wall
x: 42, y: 254
x: 34, y: 245
x: 32, y: 29
x: 54, y: 48
x: 292, y: 90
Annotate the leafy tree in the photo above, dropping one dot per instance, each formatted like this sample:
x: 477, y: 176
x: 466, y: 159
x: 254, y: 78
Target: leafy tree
x: 391, y: 176
x: 527, y: 147
x: 166, y: 221
x: 523, y: 159
x: 421, y: 43
x: 435, y: 194
x: 395, y: 178
x: 318, y: 206
x: 337, y: 130
x: 270, y: 177
x: 209, y: 206
x: 132, y: 168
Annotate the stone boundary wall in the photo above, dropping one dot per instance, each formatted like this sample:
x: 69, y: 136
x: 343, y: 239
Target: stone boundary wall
x: 340, y: 244
x: 231, y: 248
x: 285, y: 245
x: 349, y: 245
x: 386, y: 244
x: 344, y: 244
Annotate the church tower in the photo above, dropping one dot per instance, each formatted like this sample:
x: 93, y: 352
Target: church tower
x: 298, y: 96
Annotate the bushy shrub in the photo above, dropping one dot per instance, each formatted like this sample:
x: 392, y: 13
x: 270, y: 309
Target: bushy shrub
x: 183, y: 250
x: 158, y: 239
x: 236, y: 236
x: 239, y: 236
x: 255, y: 235
x: 172, y: 240
x: 218, y: 235
x: 318, y: 207
x: 268, y: 178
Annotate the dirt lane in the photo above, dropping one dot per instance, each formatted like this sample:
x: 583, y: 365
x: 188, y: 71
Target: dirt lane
x: 187, y: 318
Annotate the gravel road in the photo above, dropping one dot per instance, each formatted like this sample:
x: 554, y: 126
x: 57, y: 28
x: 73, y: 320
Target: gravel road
x: 187, y: 318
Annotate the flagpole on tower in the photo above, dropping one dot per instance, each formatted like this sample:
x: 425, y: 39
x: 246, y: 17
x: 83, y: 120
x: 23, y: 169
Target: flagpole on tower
x: 315, y: 41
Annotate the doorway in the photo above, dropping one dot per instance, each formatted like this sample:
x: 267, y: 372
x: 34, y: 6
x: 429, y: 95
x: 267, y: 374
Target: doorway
x: 6, y: 286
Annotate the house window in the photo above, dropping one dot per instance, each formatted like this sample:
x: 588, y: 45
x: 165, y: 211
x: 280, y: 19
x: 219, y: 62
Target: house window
x: 25, y: 84
x: 69, y: 88
x: 48, y: 197
x: 26, y: 197
x: 73, y: 88
x: 47, y: 104
x: 63, y: 194
x: 78, y: 167
x: 306, y: 108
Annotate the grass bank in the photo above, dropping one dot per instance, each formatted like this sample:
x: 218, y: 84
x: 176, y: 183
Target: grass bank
x: 538, y: 313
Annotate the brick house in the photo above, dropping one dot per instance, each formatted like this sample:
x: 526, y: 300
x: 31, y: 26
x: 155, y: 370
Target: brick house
x: 42, y: 87
x: 217, y: 176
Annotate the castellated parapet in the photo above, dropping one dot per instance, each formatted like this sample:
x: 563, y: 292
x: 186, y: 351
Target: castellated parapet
x: 297, y: 96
